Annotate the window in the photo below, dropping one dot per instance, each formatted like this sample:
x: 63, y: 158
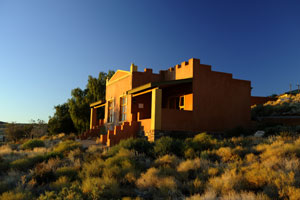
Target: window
x: 123, y: 108
x: 176, y: 102
x: 110, y: 113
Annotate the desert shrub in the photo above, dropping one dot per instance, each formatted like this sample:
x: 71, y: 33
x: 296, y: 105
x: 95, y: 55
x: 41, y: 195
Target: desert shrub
x: 69, y: 172
x: 227, y: 182
x: 93, y: 168
x: 25, y: 164
x: 68, y: 193
x: 53, y: 154
x: 120, y: 165
x: 151, y: 182
x: 190, y: 169
x: 16, y: 195
x: 201, y: 142
x: 226, y: 154
x: 95, y: 149
x: 209, y: 155
x: 43, y: 174
x: 168, y: 145
x: 101, y: 188
x: 138, y: 144
x: 30, y: 144
x: 48, y: 196
x: 190, y: 153
x: 167, y: 161
x: 188, y: 165
x: 244, y: 196
x: 213, y: 171
x: 61, y: 182
x: 208, y: 195
x: 66, y: 146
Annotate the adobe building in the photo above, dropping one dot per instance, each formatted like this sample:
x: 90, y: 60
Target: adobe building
x: 185, y: 98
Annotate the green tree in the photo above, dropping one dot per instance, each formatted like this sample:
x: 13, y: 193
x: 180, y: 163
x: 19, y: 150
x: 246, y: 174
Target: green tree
x: 61, y: 121
x: 79, y: 104
x: 79, y: 109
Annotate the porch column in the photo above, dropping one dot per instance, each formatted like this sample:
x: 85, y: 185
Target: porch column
x: 93, y: 118
x: 156, y: 109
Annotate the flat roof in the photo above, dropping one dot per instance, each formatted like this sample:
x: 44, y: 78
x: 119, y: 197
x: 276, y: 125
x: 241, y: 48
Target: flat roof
x: 158, y: 84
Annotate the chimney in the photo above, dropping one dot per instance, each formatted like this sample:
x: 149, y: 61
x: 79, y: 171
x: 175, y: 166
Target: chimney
x: 133, y: 68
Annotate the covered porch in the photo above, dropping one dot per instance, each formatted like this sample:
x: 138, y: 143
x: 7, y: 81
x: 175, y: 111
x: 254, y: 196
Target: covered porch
x: 163, y: 106
x: 97, y: 114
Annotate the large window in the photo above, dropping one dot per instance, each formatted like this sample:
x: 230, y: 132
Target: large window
x: 123, y: 108
x: 110, y: 113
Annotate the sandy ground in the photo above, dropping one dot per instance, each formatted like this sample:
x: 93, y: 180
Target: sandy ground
x: 88, y: 143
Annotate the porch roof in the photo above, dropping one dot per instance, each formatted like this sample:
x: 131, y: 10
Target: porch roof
x: 97, y: 103
x: 158, y: 84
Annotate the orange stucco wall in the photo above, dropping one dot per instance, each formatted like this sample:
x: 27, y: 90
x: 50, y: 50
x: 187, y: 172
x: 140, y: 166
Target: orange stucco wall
x: 220, y: 102
x: 141, y: 78
x: 260, y: 100
x: 113, y: 92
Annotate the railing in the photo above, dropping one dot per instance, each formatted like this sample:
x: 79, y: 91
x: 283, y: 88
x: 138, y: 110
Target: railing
x: 124, y: 131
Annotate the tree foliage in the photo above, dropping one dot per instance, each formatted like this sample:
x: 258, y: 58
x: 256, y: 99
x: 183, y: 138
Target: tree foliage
x: 74, y: 115
x: 61, y: 122
x: 79, y: 104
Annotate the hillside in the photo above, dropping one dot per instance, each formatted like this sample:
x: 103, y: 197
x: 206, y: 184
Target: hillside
x: 285, y: 105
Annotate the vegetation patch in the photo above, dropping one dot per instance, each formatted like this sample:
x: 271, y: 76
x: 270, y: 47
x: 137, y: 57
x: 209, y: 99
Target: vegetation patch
x: 30, y: 144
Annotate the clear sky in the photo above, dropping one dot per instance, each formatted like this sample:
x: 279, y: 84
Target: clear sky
x: 49, y: 47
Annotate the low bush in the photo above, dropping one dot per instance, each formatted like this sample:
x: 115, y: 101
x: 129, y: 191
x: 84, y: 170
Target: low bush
x: 66, y: 146
x: 69, y: 172
x: 167, y: 161
x: 139, y: 145
x: 151, y: 181
x: 93, y: 168
x: 101, y: 188
x: 30, y: 144
x: 72, y: 192
x: 25, y: 164
x: 60, y: 183
x: 168, y: 145
x: 16, y: 195
x: 199, y: 143
x: 43, y: 174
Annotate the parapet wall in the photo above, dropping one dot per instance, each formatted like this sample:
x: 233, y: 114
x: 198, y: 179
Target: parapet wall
x: 182, y: 71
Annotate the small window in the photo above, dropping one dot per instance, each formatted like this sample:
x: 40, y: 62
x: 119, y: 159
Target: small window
x: 123, y: 108
x: 181, y: 103
x: 110, y: 113
x: 176, y: 102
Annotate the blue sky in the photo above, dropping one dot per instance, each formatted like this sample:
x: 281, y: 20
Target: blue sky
x: 49, y: 47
